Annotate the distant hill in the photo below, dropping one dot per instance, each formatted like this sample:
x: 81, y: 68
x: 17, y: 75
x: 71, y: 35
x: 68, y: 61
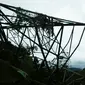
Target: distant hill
x: 75, y: 69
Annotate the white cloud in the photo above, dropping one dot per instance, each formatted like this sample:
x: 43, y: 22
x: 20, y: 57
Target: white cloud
x: 69, y: 13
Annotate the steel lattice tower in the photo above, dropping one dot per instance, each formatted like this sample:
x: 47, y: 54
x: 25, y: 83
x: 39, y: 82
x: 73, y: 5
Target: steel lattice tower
x: 39, y: 31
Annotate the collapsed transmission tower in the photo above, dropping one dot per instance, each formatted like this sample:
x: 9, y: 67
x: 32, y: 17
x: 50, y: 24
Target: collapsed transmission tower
x: 43, y: 34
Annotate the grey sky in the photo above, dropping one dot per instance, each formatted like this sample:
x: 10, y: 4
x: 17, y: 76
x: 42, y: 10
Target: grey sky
x: 67, y: 9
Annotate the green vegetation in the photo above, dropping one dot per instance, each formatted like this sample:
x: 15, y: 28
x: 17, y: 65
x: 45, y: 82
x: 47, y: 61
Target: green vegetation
x: 22, y: 68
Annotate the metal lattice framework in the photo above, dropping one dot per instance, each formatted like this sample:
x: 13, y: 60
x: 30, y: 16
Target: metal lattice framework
x: 42, y: 32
